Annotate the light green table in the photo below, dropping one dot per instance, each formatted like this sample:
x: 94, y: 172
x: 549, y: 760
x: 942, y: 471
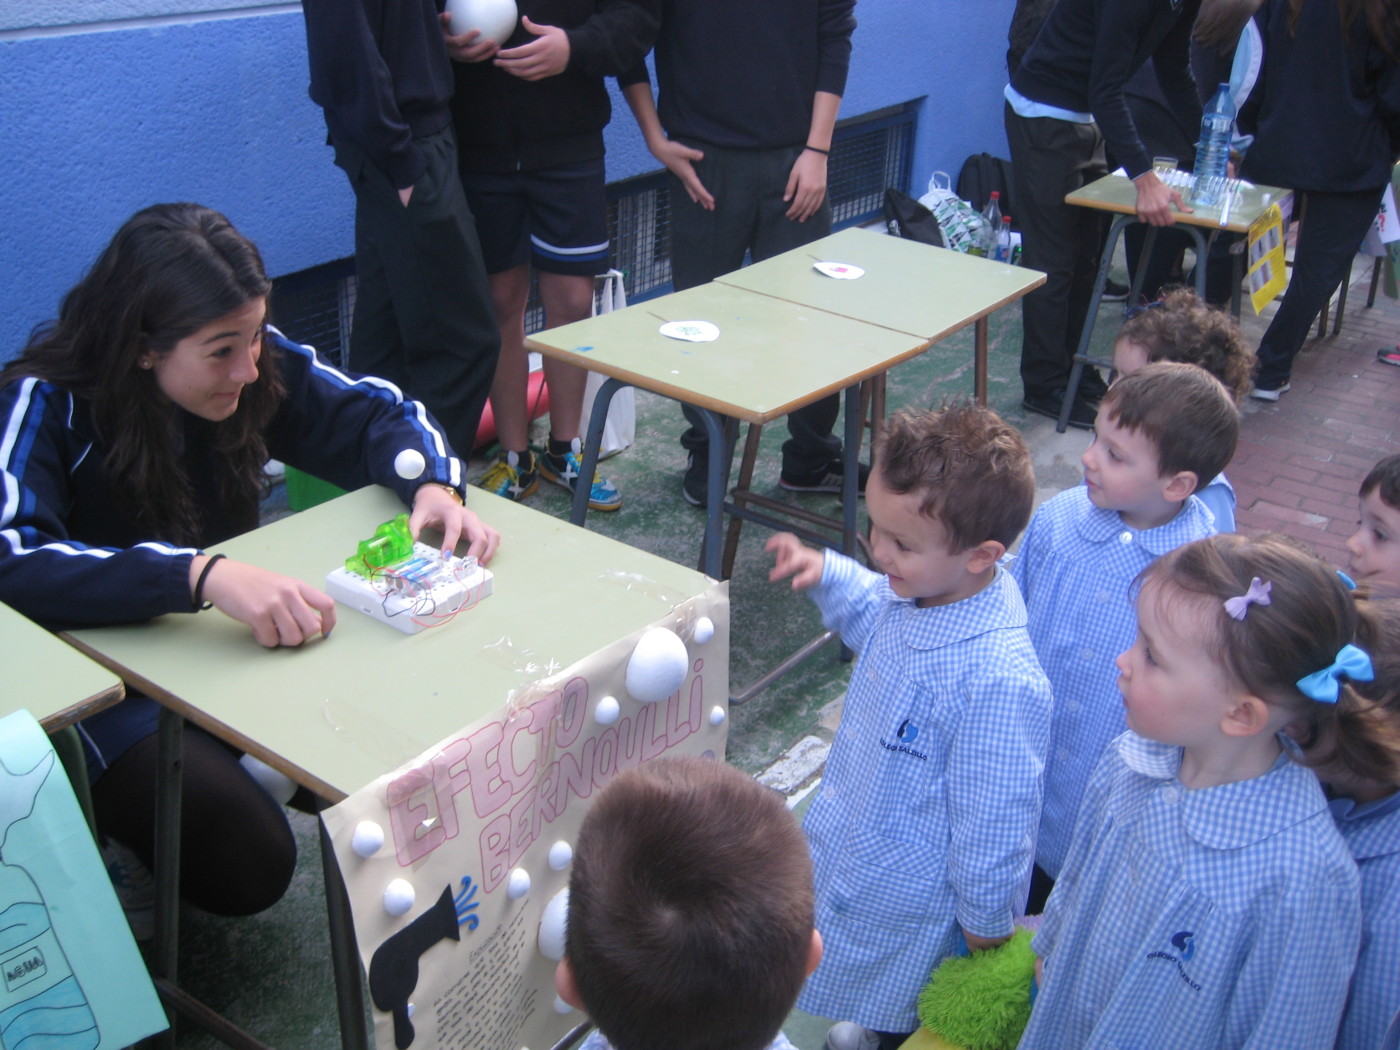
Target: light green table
x: 1117, y: 195
x: 922, y: 291
x: 56, y: 683
x: 335, y: 714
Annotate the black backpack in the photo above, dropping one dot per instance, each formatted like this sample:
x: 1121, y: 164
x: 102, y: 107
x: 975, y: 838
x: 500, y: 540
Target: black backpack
x: 905, y: 217
x: 981, y: 173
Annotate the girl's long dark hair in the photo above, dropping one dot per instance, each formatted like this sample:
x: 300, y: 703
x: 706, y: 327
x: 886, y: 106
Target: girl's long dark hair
x: 168, y: 272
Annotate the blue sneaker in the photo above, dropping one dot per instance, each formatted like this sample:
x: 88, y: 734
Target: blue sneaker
x: 509, y: 479
x: 563, y: 470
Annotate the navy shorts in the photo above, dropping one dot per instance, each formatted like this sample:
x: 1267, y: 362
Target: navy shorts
x: 555, y: 218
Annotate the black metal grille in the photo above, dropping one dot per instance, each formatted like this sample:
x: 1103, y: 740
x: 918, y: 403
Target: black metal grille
x: 868, y: 153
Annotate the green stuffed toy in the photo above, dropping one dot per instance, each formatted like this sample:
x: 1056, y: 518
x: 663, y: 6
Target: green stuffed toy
x: 980, y: 1001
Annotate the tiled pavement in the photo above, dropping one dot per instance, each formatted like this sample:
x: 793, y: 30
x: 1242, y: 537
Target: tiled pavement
x: 1301, y: 459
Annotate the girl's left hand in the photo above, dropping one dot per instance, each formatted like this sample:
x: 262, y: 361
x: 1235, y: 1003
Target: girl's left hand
x: 433, y: 506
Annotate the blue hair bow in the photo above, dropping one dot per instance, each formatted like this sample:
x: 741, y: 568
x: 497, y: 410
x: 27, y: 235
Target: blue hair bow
x: 1325, y: 685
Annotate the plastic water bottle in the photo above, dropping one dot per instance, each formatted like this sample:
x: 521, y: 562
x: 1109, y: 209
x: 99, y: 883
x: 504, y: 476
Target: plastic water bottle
x: 1213, y: 151
x: 991, y: 225
x: 1004, y: 240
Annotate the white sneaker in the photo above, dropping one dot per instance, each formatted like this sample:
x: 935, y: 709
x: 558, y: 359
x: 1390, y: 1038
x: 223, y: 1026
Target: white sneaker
x: 847, y: 1035
x: 1260, y: 394
x: 135, y: 886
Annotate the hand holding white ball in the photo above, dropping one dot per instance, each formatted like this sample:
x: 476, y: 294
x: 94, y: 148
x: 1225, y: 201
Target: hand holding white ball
x: 493, y: 19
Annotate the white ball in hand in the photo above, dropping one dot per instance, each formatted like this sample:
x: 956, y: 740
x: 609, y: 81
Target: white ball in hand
x: 410, y: 464
x: 493, y: 19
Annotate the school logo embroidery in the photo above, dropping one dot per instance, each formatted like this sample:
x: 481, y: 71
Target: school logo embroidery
x: 1184, y: 941
x: 906, y: 734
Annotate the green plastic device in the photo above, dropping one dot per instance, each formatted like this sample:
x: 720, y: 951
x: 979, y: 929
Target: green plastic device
x: 390, y: 544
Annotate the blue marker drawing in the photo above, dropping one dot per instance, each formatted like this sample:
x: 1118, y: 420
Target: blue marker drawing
x: 41, y: 1002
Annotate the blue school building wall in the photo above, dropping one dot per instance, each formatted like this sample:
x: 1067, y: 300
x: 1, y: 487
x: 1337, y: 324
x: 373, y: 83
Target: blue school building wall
x: 111, y: 105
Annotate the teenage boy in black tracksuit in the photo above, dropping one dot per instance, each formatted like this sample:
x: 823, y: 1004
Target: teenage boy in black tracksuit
x: 423, y: 318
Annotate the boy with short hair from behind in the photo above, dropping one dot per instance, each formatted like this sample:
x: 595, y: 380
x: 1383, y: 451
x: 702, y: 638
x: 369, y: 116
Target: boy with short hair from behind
x: 1159, y: 434
x: 690, y: 911
x: 1374, y: 547
x: 923, y: 831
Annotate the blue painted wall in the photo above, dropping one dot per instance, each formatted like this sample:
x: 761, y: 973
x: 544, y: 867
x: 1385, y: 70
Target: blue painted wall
x: 164, y: 102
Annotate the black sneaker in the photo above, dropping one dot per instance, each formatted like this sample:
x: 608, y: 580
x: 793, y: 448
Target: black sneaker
x: 695, y: 486
x: 828, y: 479
x: 1081, y: 416
x: 1113, y: 292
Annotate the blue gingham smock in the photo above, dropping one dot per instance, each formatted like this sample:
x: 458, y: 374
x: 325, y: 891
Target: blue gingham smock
x: 1372, y: 833
x: 1075, y: 569
x: 925, y: 819
x: 1219, y: 918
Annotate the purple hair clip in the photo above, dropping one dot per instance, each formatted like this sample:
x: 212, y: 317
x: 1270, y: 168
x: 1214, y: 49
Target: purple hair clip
x: 1258, y: 594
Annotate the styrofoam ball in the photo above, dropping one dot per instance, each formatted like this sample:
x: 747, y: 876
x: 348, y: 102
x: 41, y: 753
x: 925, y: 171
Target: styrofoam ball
x: 561, y: 855
x: 657, y: 666
x: 561, y: 1007
x: 398, y: 897
x: 410, y: 464
x: 717, y: 715
x: 704, y: 630
x: 553, y: 924
x: 494, y: 19
x: 280, y: 786
x: 518, y: 884
x: 607, y: 711
x: 368, y: 839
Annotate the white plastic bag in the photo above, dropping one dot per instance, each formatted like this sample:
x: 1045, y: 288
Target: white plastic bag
x: 1385, y: 228
x: 959, y: 220
x: 621, y: 428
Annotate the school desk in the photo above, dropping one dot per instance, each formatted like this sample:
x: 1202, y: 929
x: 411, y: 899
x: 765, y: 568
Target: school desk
x: 1117, y: 196
x: 787, y: 337
x: 57, y: 684
x: 335, y: 714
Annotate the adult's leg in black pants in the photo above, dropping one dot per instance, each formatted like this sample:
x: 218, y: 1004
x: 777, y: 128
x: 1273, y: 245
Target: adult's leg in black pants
x: 1328, y: 240
x: 749, y: 218
x: 237, y: 852
x: 423, y: 312
x: 812, y: 446
x: 1050, y: 158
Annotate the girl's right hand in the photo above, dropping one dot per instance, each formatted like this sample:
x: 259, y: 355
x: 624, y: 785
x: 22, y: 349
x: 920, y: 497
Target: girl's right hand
x: 279, y: 609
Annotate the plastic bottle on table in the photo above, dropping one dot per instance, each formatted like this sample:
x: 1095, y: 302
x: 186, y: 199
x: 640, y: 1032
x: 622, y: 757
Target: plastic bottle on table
x: 1213, y: 151
x: 1003, y: 253
x: 991, y: 225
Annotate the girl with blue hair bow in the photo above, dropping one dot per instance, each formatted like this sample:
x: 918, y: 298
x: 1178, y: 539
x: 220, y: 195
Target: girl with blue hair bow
x: 1207, y: 892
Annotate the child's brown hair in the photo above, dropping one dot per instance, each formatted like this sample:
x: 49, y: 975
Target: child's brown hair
x: 1182, y: 328
x: 690, y: 908
x: 971, y: 467
x: 1184, y: 411
x: 1385, y: 477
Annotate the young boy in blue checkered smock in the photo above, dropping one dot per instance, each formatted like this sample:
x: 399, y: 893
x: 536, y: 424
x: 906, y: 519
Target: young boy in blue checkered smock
x: 1207, y: 901
x: 1158, y: 434
x: 923, y: 830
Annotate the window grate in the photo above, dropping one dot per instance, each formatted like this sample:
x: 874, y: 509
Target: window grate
x: 868, y: 153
